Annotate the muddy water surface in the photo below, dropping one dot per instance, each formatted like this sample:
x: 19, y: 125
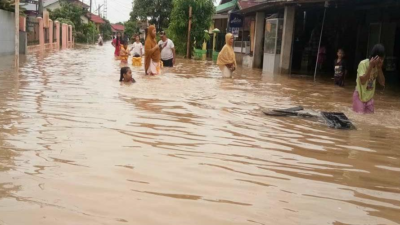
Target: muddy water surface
x: 187, y: 147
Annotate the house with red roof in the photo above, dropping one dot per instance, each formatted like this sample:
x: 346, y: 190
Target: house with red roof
x: 117, y: 28
x: 97, y: 20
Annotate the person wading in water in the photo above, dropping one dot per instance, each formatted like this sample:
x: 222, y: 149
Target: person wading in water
x: 369, y: 71
x: 152, y: 53
x: 226, y: 58
x: 117, y: 44
x: 168, y: 50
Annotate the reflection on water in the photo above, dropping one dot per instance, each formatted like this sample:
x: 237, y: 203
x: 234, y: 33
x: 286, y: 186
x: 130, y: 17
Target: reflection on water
x: 187, y: 147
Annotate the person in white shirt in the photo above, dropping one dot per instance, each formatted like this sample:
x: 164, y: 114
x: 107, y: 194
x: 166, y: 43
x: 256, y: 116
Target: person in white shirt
x: 100, y: 40
x: 137, y: 47
x: 167, y: 50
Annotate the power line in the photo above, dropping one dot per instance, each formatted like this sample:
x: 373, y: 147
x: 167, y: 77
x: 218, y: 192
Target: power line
x: 105, y: 9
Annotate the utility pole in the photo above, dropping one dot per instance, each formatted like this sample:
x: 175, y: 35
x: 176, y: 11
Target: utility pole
x: 98, y: 10
x: 16, y: 47
x: 41, y: 8
x: 105, y: 9
x: 90, y: 9
x: 188, y: 38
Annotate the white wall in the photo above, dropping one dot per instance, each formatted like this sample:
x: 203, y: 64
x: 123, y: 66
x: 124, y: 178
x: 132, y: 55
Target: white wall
x: 53, y: 6
x: 7, y: 35
x: 84, y: 19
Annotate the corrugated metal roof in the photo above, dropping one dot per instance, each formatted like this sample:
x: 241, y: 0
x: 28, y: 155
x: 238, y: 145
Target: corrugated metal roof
x: 226, y: 7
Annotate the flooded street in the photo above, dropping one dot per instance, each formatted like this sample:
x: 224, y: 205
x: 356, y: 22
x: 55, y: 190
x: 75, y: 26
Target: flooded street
x: 187, y: 147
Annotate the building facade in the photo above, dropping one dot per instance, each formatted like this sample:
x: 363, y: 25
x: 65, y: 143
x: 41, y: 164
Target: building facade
x: 286, y: 34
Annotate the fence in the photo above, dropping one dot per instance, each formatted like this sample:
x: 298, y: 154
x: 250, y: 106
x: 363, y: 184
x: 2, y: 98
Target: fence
x: 32, y: 31
x: 54, y: 33
x: 46, y: 35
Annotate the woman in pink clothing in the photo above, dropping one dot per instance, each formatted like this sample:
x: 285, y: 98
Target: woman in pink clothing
x: 117, y: 44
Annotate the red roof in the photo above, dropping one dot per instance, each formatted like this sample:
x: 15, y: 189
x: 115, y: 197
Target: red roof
x: 117, y: 27
x: 95, y: 18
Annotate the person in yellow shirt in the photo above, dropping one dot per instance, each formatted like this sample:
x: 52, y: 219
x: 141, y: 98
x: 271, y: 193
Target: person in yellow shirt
x: 368, y: 72
x: 124, y: 52
x: 226, y: 57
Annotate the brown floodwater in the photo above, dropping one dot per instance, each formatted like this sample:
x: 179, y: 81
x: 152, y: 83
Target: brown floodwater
x: 187, y: 147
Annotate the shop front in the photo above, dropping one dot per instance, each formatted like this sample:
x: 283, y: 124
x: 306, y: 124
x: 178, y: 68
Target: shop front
x: 353, y: 26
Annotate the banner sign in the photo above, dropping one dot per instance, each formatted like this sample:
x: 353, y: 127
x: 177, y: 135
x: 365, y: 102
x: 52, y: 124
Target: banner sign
x: 235, y: 31
x: 236, y: 20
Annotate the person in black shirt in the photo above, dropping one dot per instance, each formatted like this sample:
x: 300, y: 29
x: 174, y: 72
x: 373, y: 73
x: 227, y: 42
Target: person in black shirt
x: 340, y: 68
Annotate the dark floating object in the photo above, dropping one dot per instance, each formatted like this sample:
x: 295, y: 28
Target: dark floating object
x: 335, y: 120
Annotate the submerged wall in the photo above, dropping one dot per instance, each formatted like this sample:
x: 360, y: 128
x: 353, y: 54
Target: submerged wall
x: 7, y: 35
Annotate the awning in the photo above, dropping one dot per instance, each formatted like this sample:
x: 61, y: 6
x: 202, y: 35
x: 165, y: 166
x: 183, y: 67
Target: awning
x: 220, y: 16
x: 223, y: 8
x: 249, y: 6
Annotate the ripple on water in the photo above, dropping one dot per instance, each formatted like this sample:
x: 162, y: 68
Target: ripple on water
x: 80, y: 147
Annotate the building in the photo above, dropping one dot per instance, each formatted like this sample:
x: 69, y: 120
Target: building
x: 97, y: 20
x: 32, y: 9
x: 117, y: 28
x: 284, y: 35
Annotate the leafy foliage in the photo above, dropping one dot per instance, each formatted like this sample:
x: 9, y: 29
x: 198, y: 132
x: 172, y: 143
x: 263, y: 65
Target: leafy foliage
x: 71, y: 14
x: 202, y: 12
x: 69, y: 11
x: 131, y: 28
x: 105, y: 30
x: 157, y: 10
x: 9, y: 5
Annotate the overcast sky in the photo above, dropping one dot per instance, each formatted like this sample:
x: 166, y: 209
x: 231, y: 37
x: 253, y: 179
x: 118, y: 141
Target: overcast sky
x: 118, y: 10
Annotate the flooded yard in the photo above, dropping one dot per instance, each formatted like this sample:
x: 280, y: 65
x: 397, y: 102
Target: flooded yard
x: 187, y: 147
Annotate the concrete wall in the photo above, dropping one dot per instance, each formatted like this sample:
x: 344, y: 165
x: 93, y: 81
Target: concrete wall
x: 7, y: 27
x: 84, y: 19
x: 287, y: 39
x: 259, y: 40
x: 23, y: 42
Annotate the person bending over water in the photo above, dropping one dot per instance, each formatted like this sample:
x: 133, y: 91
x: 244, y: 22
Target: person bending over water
x: 226, y: 58
x: 369, y: 70
x: 126, y: 75
x: 152, y: 53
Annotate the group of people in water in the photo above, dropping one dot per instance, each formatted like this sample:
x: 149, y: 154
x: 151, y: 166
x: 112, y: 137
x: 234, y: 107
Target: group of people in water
x: 162, y: 54
x: 156, y: 55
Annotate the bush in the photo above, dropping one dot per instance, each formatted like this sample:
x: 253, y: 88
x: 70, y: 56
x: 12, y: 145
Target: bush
x: 202, y: 12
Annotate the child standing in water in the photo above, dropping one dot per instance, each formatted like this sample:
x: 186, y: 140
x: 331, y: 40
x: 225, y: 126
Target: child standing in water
x: 124, y: 52
x: 340, y: 68
x: 126, y: 75
x: 369, y: 70
x: 137, y: 49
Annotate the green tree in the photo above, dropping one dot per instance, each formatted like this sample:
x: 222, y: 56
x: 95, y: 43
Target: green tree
x: 158, y: 11
x: 202, y: 12
x: 131, y: 28
x: 105, y: 30
x: 71, y: 13
x: 9, y: 5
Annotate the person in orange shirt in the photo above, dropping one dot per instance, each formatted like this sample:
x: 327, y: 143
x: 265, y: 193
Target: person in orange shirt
x: 124, y: 52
